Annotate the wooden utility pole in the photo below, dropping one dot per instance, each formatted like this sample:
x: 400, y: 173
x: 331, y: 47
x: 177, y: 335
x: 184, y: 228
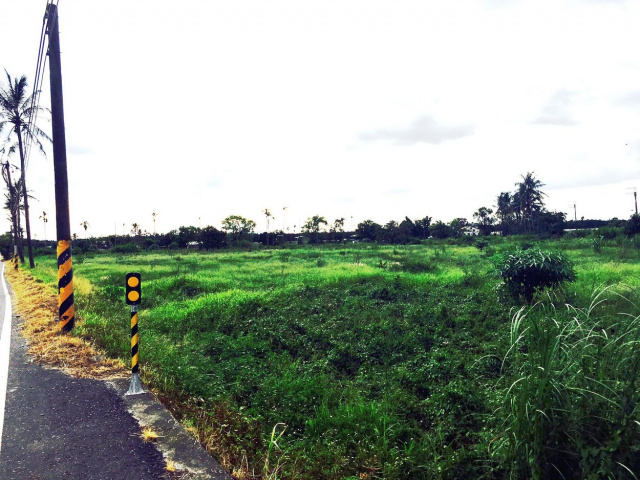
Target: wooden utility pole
x: 63, y: 225
x: 635, y: 197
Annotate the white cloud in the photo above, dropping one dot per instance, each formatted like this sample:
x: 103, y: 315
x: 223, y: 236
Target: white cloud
x: 422, y: 129
x: 630, y: 99
x: 557, y: 111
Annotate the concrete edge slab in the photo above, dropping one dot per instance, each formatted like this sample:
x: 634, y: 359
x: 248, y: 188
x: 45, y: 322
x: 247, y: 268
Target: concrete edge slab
x: 174, y: 442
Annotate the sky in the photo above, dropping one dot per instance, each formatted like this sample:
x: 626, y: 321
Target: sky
x: 361, y: 109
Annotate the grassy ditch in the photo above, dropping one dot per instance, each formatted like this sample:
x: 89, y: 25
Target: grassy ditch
x: 352, y: 362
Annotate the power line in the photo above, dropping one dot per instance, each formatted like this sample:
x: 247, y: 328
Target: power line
x: 34, y: 94
x: 35, y: 100
x: 37, y: 83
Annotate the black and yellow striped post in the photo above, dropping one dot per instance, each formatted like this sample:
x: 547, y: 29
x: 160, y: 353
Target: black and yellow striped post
x: 133, y: 295
x: 66, y: 308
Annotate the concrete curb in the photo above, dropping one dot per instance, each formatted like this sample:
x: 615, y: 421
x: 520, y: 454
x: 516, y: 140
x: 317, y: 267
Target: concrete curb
x: 174, y: 442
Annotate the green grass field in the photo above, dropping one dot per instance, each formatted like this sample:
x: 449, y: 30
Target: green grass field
x: 367, y: 361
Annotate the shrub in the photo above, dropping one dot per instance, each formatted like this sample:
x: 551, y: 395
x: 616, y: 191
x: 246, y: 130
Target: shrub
x: 525, y: 272
x: 481, y: 244
x: 466, y: 240
x: 413, y: 264
x: 527, y: 245
x: 597, y: 243
x: 285, y: 257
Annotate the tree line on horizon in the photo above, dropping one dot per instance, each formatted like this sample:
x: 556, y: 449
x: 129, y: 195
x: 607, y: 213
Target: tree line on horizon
x: 519, y: 212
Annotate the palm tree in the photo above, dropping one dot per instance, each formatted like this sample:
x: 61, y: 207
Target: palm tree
x: 284, y: 216
x: 504, y: 210
x: 85, y: 225
x: 16, y: 110
x: 313, y: 225
x: 530, y: 196
x: 44, y: 219
x: 337, y: 227
x: 268, y: 214
x: 13, y: 205
x: 516, y: 208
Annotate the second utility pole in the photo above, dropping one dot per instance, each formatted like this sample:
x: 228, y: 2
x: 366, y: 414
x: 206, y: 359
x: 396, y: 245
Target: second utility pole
x: 63, y: 225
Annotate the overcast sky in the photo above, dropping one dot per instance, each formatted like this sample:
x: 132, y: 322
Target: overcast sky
x: 364, y: 109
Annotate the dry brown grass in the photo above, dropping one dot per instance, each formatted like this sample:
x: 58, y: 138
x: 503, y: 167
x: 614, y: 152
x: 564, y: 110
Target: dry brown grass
x: 148, y: 434
x: 170, y: 466
x: 38, y: 306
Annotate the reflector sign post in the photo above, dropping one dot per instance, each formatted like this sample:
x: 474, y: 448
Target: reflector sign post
x: 133, y: 295
x: 133, y: 289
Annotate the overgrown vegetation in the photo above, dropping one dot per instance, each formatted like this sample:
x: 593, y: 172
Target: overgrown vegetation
x: 399, y: 362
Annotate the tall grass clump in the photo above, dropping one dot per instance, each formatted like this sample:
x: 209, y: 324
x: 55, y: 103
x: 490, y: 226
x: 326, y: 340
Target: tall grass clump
x: 569, y: 408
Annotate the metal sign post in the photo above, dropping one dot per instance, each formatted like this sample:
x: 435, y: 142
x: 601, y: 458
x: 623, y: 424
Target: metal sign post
x: 133, y: 295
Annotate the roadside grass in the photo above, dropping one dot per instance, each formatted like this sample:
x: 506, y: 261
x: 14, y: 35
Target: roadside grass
x: 37, y: 304
x: 331, y: 362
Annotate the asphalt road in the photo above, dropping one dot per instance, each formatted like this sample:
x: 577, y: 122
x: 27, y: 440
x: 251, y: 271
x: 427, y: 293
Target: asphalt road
x: 59, y: 427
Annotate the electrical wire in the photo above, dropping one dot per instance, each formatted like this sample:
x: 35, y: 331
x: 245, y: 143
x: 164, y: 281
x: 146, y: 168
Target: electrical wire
x: 37, y: 83
x: 34, y: 96
x: 38, y: 80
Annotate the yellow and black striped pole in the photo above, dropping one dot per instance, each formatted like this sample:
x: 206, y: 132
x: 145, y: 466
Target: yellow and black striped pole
x: 133, y: 294
x: 66, y: 308
x: 134, y: 339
